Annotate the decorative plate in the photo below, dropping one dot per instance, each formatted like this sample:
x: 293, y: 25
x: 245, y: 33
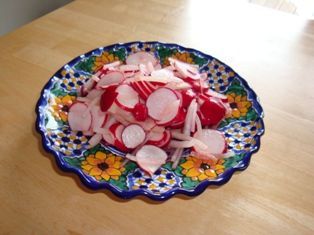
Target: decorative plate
x: 243, y: 129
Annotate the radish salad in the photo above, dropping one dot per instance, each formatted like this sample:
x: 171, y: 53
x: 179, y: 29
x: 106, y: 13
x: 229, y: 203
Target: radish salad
x: 152, y: 113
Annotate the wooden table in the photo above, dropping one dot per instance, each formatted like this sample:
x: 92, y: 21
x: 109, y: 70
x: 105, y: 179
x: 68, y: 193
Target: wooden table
x: 272, y: 50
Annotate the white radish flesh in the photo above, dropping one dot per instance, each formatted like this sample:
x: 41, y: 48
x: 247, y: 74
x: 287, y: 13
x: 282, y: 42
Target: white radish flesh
x: 170, y: 112
x: 94, y: 94
x: 98, y: 117
x: 94, y: 140
x: 150, y: 158
x: 127, y: 97
x: 110, y: 78
x: 133, y: 135
x: 214, y: 140
x: 79, y: 117
x: 141, y: 58
x: 158, y: 101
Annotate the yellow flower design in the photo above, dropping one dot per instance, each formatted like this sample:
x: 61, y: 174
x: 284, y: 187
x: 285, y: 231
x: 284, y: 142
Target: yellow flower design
x: 198, y: 169
x: 60, y: 107
x: 182, y: 56
x: 239, y: 105
x: 103, y: 166
x: 104, y: 58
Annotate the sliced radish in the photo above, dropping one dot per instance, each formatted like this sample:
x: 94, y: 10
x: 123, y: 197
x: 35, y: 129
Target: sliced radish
x: 130, y: 157
x: 127, y: 97
x: 214, y: 140
x: 170, y: 113
x: 107, y: 98
x: 111, y: 78
x: 133, y: 135
x: 157, y: 67
x: 111, y: 65
x: 185, y: 70
x: 79, y: 117
x: 90, y: 84
x: 187, y: 97
x: 129, y: 68
x: 159, y: 139
x: 188, y: 120
x: 212, y: 112
x: 178, y: 85
x: 116, y: 129
x: 88, y: 133
x: 109, y: 122
x: 99, y: 118
x: 140, y: 89
x: 108, y: 137
x: 141, y: 58
x: 94, y: 93
x: 94, y: 140
x: 159, y: 101
x: 150, y: 158
x: 140, y: 112
x: 215, y: 94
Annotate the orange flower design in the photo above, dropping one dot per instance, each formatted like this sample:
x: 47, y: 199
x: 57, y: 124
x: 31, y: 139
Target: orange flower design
x: 239, y: 105
x: 104, y: 58
x: 198, y: 169
x: 60, y: 107
x: 182, y: 56
x: 103, y: 166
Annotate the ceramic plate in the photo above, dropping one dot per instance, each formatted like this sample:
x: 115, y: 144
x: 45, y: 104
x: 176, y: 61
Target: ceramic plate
x: 242, y: 129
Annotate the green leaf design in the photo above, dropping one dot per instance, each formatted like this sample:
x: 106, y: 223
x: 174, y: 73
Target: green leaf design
x: 129, y: 167
x: 120, y: 183
x: 86, y: 65
x: 164, y: 53
x: 232, y: 161
x: 75, y: 162
x: 198, y: 60
x: 236, y: 88
x: 95, y: 149
x: 251, y: 115
x: 188, y: 183
x: 120, y: 53
x: 57, y: 91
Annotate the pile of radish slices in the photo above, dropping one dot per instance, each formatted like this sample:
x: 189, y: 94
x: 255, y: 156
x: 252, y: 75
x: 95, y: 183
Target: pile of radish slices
x: 151, y: 113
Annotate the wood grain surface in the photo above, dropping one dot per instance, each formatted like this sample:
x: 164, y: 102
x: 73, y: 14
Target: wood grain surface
x: 273, y: 51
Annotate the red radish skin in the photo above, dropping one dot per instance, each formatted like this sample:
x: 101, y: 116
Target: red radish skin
x: 141, y: 58
x: 107, y: 98
x: 140, y: 112
x: 133, y: 135
x: 211, y: 112
x: 79, y: 117
x: 163, y: 140
x: 187, y: 97
x: 150, y: 158
x: 116, y: 129
x: 178, y: 122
